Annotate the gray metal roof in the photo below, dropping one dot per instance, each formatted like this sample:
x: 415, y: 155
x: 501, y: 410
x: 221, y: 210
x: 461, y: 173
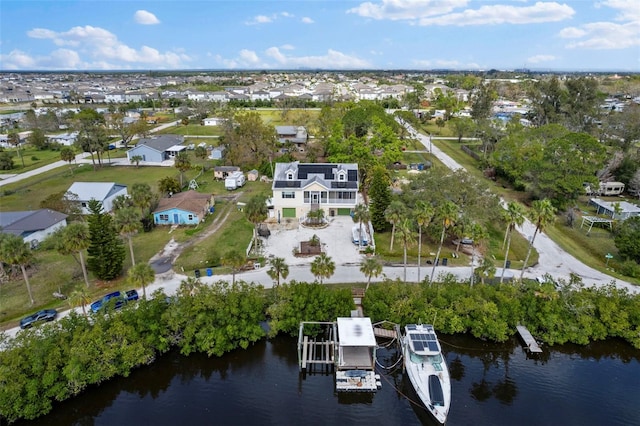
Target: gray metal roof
x: 95, y: 190
x: 325, y: 174
x: 28, y: 221
x: 161, y: 143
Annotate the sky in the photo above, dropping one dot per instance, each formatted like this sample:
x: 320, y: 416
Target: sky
x: 574, y: 35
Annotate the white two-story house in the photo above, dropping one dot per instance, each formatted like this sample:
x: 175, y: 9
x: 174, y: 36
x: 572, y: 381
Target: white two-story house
x: 301, y: 187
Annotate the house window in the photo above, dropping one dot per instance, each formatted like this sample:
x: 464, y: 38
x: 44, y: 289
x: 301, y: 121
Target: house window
x: 190, y: 217
x: 341, y: 177
x: 288, y: 195
x: 164, y: 217
x: 289, y: 175
x: 83, y: 205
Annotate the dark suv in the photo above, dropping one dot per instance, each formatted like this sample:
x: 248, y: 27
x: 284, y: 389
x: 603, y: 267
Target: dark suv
x: 116, y: 300
x: 40, y: 316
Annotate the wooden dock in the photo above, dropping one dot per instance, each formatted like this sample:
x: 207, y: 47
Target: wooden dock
x: 316, y: 353
x: 531, y: 343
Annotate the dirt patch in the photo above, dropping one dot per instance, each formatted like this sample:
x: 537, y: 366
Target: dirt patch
x: 307, y: 248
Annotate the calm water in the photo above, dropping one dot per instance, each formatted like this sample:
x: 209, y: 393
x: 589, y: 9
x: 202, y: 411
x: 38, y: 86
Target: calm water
x: 492, y: 385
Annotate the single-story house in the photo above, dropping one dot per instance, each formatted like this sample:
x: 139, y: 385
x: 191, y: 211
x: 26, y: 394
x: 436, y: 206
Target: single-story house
x: 608, y: 208
x: 32, y: 225
x: 157, y: 149
x: 105, y: 192
x: 213, y: 121
x: 183, y: 208
x: 221, y: 172
x: 217, y: 153
x: 253, y: 175
x: 66, y: 139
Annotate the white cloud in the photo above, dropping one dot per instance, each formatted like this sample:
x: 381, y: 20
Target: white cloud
x: 406, y: 10
x: 145, y: 18
x: 540, y: 58
x: 267, y: 19
x: 307, y: 20
x: 540, y: 12
x: 17, y: 60
x: 608, y: 35
x: 333, y: 59
x: 287, y: 47
x: 96, y: 47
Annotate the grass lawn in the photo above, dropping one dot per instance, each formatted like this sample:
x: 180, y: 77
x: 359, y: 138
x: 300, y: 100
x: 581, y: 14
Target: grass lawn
x: 33, y: 158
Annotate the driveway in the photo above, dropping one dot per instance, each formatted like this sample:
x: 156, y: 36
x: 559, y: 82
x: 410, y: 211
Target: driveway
x: 335, y: 240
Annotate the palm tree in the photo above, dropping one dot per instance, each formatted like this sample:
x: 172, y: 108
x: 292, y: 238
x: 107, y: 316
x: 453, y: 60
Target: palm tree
x: 514, y: 216
x: 80, y: 297
x: 361, y: 214
x: 234, y: 260
x: 479, y: 236
x: 16, y: 252
x: 542, y: 214
x: 127, y: 222
x: 140, y: 275
x: 322, y: 267
x: 76, y: 239
x: 278, y: 269
x: 370, y: 267
x: 67, y: 154
x: 183, y: 164
x: 423, y: 215
x: 405, y: 232
x: 486, y: 269
x: 142, y: 197
x: 448, y: 213
x: 393, y: 214
x: 136, y: 159
x: 256, y: 211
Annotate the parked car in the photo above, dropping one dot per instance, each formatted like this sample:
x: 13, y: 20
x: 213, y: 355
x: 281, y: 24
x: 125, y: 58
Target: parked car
x: 40, y: 316
x: 116, y: 299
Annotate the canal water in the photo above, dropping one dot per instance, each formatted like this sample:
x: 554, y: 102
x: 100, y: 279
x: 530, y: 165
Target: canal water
x: 493, y: 384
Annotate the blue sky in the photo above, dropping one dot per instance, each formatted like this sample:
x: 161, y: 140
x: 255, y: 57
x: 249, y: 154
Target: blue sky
x: 577, y: 35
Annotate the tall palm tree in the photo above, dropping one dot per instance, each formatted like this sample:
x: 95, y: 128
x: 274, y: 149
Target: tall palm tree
x: 80, y: 297
x: 256, y: 212
x: 361, y: 214
x: 142, y: 197
x: 542, y: 214
x: 76, y: 239
x: 405, y: 232
x: 322, y: 267
x: 447, y: 212
x: 278, y: 269
x: 514, y: 216
x: 127, y: 221
x: 393, y: 214
x: 16, y: 252
x: 182, y: 163
x: 234, y: 260
x: 479, y: 236
x: 140, y: 275
x: 370, y: 267
x: 423, y: 215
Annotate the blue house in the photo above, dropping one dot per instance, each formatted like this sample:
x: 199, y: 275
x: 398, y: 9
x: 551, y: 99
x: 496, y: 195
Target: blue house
x: 183, y: 208
x: 157, y: 148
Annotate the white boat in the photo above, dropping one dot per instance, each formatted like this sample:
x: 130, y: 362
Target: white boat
x: 355, y: 235
x: 427, y: 369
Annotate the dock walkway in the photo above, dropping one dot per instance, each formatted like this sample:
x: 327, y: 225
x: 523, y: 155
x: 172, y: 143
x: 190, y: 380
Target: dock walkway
x: 531, y: 343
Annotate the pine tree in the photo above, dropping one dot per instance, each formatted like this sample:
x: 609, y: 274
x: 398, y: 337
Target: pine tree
x: 106, y: 251
x: 380, y: 198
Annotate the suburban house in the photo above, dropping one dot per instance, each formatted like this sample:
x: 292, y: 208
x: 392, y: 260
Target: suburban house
x: 105, y: 192
x: 157, y: 149
x: 620, y: 210
x: 296, y: 135
x: 32, y: 225
x: 221, y: 172
x: 301, y: 187
x: 213, y: 121
x: 183, y: 208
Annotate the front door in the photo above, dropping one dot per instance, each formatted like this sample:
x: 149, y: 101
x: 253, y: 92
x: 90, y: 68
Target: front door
x: 176, y: 221
x: 315, y: 198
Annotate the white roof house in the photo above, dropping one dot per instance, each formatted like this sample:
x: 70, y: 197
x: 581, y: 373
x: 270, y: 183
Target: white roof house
x: 608, y: 208
x: 105, y: 192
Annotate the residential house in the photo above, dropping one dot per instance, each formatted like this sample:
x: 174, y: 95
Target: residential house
x: 619, y: 210
x: 157, y: 149
x: 301, y: 187
x: 32, y: 225
x: 221, y: 172
x: 293, y: 134
x: 66, y: 139
x: 105, y: 192
x: 183, y: 208
x: 213, y: 121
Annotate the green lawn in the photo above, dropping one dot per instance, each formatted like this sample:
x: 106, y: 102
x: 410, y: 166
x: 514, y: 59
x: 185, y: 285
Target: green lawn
x: 33, y: 158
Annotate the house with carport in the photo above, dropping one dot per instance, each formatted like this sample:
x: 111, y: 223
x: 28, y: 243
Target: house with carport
x: 299, y: 188
x: 157, y: 149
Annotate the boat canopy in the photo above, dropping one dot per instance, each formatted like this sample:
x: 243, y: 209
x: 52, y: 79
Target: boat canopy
x: 356, y: 332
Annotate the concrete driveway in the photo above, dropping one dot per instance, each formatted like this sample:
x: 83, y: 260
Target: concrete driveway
x: 335, y: 240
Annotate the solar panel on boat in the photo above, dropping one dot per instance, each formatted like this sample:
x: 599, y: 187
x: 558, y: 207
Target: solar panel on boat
x: 423, y: 341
